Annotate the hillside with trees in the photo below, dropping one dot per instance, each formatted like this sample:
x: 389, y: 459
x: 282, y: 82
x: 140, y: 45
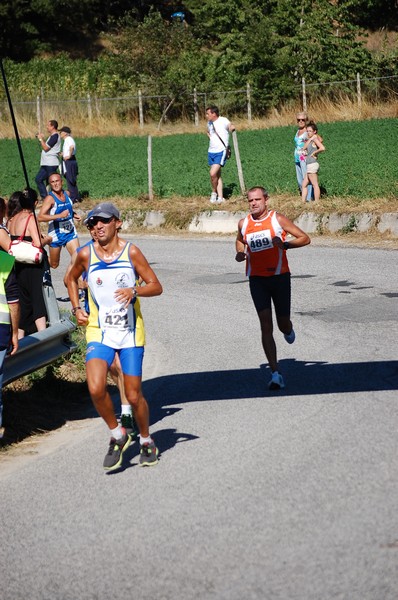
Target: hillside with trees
x: 108, y: 48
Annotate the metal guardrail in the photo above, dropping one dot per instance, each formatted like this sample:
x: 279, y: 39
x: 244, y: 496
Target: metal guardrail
x: 44, y: 347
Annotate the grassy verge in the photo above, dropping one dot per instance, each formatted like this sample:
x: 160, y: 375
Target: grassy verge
x: 179, y: 210
x: 358, y: 163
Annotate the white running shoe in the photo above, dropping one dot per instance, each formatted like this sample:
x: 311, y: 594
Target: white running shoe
x: 276, y: 382
x: 290, y: 337
x: 220, y: 200
x: 213, y: 198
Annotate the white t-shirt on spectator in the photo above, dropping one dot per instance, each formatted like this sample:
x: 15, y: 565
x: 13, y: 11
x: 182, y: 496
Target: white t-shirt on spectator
x: 220, y: 125
x: 68, y: 143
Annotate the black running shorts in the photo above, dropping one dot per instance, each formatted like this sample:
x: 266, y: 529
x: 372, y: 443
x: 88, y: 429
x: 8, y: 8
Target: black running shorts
x: 276, y: 288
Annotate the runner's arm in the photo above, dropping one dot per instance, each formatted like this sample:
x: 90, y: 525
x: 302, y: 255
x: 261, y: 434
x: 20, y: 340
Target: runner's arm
x: 80, y: 264
x: 152, y: 285
x: 239, y: 244
x: 44, y: 216
x: 68, y: 268
x: 301, y: 238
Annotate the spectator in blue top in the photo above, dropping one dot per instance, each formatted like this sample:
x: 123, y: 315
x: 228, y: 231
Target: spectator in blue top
x: 299, y: 158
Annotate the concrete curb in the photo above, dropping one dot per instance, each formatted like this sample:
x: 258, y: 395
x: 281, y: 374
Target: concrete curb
x: 222, y: 221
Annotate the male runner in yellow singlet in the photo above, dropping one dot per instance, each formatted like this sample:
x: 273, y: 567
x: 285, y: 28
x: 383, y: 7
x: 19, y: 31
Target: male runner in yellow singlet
x: 115, y: 325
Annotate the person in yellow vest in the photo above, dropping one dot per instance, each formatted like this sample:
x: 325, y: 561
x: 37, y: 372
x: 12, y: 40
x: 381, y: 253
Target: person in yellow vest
x: 261, y: 242
x: 9, y: 317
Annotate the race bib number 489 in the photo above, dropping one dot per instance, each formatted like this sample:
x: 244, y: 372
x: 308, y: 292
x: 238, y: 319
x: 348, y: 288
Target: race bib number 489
x: 259, y: 240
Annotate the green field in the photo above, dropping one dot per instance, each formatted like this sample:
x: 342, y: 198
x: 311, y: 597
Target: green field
x: 361, y: 161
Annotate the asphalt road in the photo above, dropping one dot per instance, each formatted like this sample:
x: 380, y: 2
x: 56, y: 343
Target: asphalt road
x: 288, y: 495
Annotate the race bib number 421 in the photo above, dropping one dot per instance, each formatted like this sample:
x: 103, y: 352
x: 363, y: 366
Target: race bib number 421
x: 259, y: 240
x: 116, y: 318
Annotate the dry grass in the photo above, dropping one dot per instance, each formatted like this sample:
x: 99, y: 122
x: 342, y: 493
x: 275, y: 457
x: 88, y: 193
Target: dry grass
x: 323, y: 111
x: 179, y: 210
x: 376, y: 41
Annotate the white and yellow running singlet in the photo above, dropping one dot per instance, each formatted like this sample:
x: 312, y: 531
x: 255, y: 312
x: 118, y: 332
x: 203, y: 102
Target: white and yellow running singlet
x: 110, y: 322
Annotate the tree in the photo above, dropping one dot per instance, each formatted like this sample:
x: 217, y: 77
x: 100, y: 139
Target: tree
x: 275, y: 44
x: 29, y: 27
x: 373, y: 14
x: 160, y: 57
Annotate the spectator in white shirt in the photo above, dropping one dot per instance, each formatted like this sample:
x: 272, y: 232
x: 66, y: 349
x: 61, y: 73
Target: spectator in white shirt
x: 69, y: 163
x: 218, y: 130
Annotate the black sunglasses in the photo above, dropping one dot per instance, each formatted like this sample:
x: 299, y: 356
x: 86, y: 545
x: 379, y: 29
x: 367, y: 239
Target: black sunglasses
x: 95, y: 220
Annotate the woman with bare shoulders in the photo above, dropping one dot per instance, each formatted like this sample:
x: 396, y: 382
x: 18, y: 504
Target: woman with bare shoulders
x: 30, y: 276
x: 312, y: 147
x: 4, y: 233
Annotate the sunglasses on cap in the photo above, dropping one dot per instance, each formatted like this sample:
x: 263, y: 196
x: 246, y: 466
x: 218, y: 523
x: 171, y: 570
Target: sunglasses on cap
x: 95, y: 220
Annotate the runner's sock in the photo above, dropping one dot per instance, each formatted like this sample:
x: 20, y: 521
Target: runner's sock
x: 145, y: 440
x: 127, y: 409
x: 116, y: 433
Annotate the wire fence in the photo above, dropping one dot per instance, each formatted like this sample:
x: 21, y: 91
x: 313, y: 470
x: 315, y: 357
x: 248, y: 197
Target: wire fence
x: 247, y: 102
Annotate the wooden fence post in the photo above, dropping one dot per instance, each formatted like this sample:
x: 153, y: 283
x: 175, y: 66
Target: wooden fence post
x: 249, y: 105
x: 196, y: 107
x: 89, y: 108
x: 140, y: 109
x: 38, y: 113
x: 150, y: 183
x: 41, y: 105
x: 304, y: 94
x: 238, y: 163
x: 359, y: 93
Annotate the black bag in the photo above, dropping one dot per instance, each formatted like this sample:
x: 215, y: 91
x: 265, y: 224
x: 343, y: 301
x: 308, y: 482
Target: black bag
x: 228, y: 152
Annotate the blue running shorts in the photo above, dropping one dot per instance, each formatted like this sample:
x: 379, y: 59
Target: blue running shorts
x: 216, y: 158
x: 61, y: 239
x: 130, y: 358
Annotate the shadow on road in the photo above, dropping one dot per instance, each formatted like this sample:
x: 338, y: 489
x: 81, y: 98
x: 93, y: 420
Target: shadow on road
x: 301, y: 379
x: 51, y: 403
x: 45, y: 406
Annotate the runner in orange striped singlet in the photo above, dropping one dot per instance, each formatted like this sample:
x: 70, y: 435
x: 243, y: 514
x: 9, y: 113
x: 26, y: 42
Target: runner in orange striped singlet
x: 261, y: 241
